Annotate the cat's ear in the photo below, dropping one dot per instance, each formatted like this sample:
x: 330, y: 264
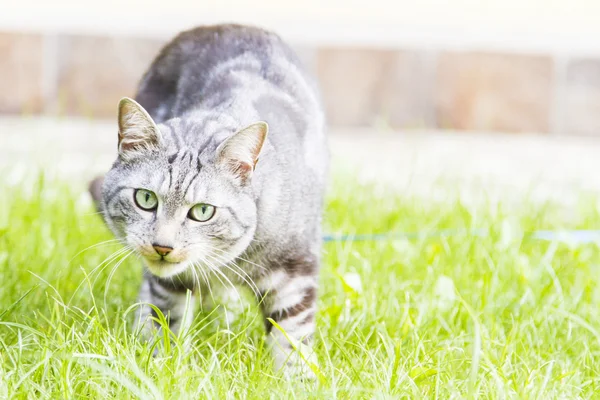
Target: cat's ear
x: 137, y: 130
x: 239, y: 153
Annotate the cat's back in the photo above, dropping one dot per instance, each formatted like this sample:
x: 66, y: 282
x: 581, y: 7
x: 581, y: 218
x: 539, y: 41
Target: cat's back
x: 202, y: 65
x: 215, y: 44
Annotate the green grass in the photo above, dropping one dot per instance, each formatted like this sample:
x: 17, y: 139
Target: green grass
x: 500, y: 316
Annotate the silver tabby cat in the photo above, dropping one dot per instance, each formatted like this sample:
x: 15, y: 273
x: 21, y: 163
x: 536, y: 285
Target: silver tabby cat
x: 189, y: 194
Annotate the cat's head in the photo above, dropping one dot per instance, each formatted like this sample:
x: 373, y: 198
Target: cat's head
x: 178, y: 205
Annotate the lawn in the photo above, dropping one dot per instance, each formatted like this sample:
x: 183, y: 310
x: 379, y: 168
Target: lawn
x: 459, y: 315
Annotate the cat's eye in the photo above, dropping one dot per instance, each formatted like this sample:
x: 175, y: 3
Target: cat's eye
x: 202, y: 212
x: 145, y: 199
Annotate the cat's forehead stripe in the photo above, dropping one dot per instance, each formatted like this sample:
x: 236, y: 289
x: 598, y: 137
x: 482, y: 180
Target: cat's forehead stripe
x: 193, y: 176
x: 172, y: 157
x: 181, y: 168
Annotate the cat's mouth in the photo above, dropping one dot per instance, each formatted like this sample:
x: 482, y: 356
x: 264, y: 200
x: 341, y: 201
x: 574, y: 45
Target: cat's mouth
x: 165, y: 268
x: 163, y: 261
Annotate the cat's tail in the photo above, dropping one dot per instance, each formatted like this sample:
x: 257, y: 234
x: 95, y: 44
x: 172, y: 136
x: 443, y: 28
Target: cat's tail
x: 95, y: 189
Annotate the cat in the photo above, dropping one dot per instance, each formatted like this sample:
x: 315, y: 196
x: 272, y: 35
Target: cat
x: 221, y: 171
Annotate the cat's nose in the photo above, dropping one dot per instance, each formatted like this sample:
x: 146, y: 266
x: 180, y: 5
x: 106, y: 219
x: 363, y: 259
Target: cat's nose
x: 162, y: 250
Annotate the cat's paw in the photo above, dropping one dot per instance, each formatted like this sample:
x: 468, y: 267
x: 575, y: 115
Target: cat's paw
x: 299, y: 368
x: 230, y: 303
x: 297, y: 363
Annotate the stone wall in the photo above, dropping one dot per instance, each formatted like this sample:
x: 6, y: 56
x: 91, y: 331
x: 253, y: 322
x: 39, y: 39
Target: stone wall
x: 74, y: 75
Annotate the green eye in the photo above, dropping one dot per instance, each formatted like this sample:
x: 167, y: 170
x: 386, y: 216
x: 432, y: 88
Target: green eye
x: 145, y: 199
x: 202, y: 212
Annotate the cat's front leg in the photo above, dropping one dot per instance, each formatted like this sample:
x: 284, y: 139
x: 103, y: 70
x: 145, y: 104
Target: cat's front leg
x: 290, y: 301
x: 171, y: 298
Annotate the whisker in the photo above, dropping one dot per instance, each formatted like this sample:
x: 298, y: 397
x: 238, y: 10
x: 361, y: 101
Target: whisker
x: 197, y: 282
x: 103, y: 243
x: 116, y: 254
x: 205, y: 277
x: 217, y: 271
x: 205, y: 274
x: 93, y: 213
x: 249, y: 282
x: 247, y: 279
x: 212, y: 269
x: 242, y: 258
x: 110, y: 259
x: 112, y: 272
x: 196, y: 278
x: 124, y: 254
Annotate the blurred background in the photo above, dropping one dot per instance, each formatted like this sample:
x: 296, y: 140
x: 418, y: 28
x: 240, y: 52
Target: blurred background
x: 483, y: 91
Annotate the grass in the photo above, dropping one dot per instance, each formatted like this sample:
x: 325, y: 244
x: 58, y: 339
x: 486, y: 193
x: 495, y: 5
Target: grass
x: 496, y: 316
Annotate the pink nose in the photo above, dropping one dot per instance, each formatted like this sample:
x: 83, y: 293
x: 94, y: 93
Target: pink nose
x: 162, y: 250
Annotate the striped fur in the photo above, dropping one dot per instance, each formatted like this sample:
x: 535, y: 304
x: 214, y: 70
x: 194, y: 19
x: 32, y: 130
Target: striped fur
x: 193, y: 136
x: 291, y: 303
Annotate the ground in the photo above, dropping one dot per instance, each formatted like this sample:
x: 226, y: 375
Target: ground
x: 481, y: 310
x: 464, y: 303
